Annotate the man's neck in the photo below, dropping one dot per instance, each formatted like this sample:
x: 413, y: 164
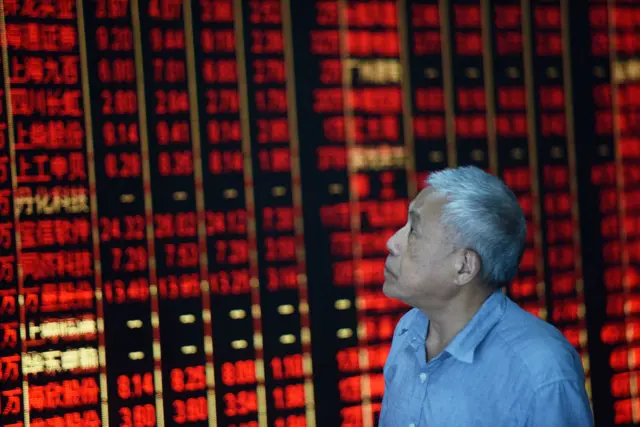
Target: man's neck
x: 447, y: 320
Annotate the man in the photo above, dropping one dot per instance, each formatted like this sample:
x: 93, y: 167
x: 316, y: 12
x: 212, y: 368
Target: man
x: 466, y: 355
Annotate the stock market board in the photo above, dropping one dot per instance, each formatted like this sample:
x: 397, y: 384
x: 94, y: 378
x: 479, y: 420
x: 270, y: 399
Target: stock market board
x: 195, y: 195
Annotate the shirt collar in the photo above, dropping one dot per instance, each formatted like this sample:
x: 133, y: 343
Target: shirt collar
x: 463, y: 345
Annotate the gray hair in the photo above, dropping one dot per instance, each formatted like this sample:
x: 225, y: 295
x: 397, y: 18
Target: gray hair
x: 485, y: 216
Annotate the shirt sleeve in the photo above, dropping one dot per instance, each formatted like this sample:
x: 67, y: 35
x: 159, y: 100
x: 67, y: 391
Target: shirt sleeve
x: 560, y: 404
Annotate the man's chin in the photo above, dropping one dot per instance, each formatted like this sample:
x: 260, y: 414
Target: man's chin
x: 390, y: 289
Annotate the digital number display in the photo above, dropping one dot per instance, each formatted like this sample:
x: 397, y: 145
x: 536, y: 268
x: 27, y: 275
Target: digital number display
x: 195, y: 196
x: 614, y: 173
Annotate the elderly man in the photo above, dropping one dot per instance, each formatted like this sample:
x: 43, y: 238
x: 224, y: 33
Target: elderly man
x: 466, y: 355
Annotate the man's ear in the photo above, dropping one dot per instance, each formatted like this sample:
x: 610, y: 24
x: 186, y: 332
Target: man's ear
x: 468, y: 266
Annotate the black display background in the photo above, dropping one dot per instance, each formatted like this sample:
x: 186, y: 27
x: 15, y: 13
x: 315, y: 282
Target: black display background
x: 221, y: 343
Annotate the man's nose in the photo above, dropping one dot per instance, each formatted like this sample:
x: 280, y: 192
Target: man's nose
x: 392, y: 244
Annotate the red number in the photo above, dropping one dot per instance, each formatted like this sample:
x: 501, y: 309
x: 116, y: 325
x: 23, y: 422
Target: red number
x: 115, y: 39
x: 232, y: 222
x: 277, y: 218
x: 191, y: 410
x: 235, y: 282
x: 119, y: 292
x: 559, y: 231
x: 120, y: 102
x: 181, y: 254
x: 427, y: 43
x: 265, y: 12
x: 232, y: 251
x: 548, y: 44
x: 292, y: 367
x: 190, y: 379
x: 183, y: 286
x: 267, y: 41
x: 116, y: 71
x: 291, y: 396
x: 165, y: 10
x: 222, y: 101
x: 172, y: 102
x: 112, y: 9
x: 111, y: 228
x: 122, y: 165
x: 241, y: 403
x: 509, y: 43
x: 327, y: 13
x: 225, y: 162
x: 178, y: 163
x: 168, y: 71
x: 467, y: 16
x: 512, y: 98
x: 270, y: 71
x: 135, y: 386
x: 548, y: 17
x: 144, y: 415
x: 223, y: 131
x: 518, y: 178
x: 271, y: 100
x: 469, y: 43
x: 124, y: 133
x: 217, y: 41
x: 551, y: 97
x: 471, y: 99
x: 166, y: 39
x: 558, y: 204
x: 279, y: 278
x: 275, y: 160
x: 240, y: 372
x: 129, y: 259
x: 508, y: 17
x: 220, y: 71
x: 173, y: 133
x: 280, y: 248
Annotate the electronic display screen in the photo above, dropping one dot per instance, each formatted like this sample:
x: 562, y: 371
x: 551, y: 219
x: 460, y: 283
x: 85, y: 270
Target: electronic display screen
x: 196, y: 195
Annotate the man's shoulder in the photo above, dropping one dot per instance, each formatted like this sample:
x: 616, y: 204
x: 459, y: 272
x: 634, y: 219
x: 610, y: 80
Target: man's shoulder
x: 537, y: 347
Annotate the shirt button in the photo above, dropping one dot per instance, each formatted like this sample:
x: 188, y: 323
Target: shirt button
x: 423, y: 377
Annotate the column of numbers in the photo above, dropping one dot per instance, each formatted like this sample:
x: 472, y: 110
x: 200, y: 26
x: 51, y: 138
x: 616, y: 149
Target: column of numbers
x: 127, y: 271
x: 613, y: 44
x: 428, y: 98
x: 175, y: 219
x: 377, y: 171
x: 559, y: 200
x: 323, y: 128
x: 516, y: 146
x: 280, y: 267
x: 469, y: 80
x: 229, y: 219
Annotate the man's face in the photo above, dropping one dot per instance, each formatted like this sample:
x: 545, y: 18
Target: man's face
x: 419, y: 265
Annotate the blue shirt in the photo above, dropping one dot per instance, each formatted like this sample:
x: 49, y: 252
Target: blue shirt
x: 506, y: 368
